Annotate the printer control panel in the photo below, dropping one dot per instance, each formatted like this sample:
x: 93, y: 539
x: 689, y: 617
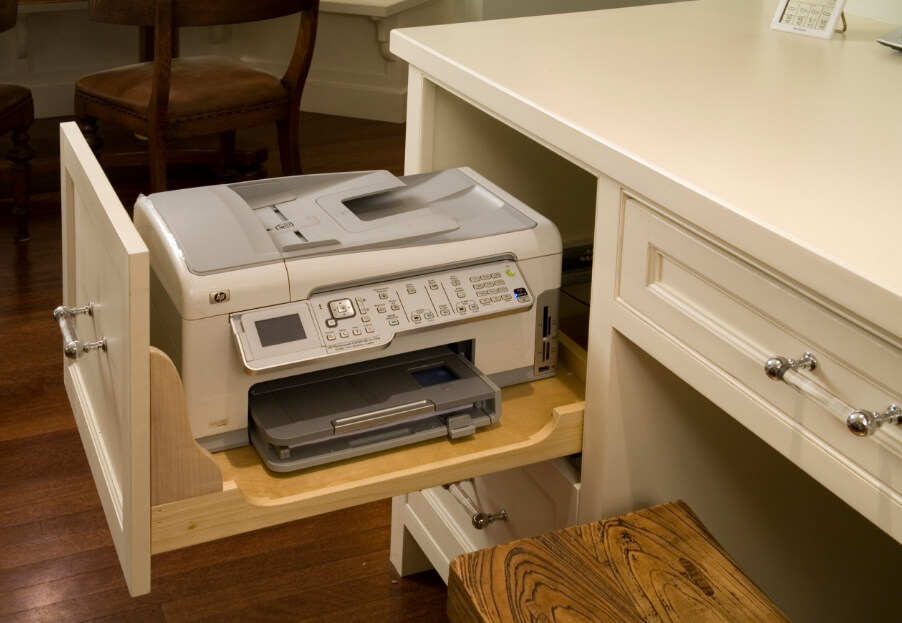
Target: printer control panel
x: 371, y: 315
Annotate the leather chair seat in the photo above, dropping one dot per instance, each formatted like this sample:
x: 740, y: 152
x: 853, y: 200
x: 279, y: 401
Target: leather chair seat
x: 218, y: 90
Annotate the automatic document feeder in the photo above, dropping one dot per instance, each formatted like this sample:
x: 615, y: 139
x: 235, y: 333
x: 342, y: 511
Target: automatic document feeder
x: 322, y: 317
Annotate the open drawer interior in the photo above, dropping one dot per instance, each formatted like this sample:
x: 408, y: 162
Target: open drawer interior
x: 160, y: 490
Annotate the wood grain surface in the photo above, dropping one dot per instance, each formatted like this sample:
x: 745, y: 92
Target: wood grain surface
x: 657, y: 564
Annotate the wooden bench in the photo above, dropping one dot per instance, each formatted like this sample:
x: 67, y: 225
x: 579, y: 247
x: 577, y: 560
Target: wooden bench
x: 657, y: 564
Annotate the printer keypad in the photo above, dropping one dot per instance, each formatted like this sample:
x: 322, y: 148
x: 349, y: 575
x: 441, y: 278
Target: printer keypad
x: 365, y: 316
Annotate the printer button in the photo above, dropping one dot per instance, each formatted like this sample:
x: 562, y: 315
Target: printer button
x: 455, y: 282
x: 383, y: 295
x: 474, y: 306
x: 411, y: 290
x: 475, y: 278
x: 370, y: 330
x: 461, y: 295
x: 428, y: 315
x: 393, y: 322
x: 486, y: 301
x: 330, y: 337
x: 342, y: 308
x: 331, y: 323
x: 444, y: 311
x: 496, y: 275
x: 356, y: 331
x: 395, y: 307
x: 343, y: 333
x: 364, y: 319
x: 484, y: 277
x: 380, y: 309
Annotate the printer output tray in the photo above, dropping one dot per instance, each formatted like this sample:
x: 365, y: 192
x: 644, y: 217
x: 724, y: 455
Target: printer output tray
x: 344, y: 412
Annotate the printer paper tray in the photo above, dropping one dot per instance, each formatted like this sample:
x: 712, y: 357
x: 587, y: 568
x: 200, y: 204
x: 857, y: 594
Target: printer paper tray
x: 543, y: 420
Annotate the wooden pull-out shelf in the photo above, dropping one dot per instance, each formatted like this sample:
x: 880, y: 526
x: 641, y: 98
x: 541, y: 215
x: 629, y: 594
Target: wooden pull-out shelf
x: 540, y: 420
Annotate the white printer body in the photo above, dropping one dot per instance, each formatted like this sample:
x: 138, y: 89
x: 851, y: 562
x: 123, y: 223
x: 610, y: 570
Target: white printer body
x: 282, y: 282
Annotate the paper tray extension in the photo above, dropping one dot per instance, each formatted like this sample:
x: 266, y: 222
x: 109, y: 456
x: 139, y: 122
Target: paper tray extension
x: 340, y: 413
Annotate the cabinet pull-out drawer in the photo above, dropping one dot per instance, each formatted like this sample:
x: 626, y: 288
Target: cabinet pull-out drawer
x: 542, y: 420
x: 734, y: 315
x: 170, y: 494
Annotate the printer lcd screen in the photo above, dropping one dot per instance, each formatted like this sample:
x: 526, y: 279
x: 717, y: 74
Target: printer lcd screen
x: 280, y: 330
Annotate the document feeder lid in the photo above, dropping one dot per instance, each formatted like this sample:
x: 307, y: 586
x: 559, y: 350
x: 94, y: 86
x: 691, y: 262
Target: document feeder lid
x: 227, y: 227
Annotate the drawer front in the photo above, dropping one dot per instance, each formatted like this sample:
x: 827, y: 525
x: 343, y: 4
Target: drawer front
x: 733, y: 315
x: 536, y: 499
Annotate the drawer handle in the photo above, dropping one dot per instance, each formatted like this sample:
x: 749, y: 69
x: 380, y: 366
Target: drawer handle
x: 479, y: 518
x: 860, y: 422
x: 72, y: 346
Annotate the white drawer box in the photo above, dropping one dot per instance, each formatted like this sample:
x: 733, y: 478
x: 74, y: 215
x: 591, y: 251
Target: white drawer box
x: 537, y: 498
x: 733, y: 314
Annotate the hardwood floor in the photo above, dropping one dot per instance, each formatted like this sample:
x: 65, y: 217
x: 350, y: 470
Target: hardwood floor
x: 57, y: 562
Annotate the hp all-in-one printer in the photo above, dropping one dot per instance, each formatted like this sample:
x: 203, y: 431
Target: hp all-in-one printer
x: 322, y: 317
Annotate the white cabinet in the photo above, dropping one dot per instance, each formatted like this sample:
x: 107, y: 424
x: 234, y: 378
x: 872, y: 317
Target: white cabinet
x: 727, y: 230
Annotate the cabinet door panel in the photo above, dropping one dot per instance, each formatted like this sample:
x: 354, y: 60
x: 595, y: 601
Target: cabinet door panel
x: 109, y: 389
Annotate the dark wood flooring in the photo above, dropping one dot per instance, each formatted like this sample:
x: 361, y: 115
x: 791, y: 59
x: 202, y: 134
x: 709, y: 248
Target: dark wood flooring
x: 57, y: 562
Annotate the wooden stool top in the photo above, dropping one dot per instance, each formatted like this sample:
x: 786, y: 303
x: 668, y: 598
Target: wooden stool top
x: 657, y: 564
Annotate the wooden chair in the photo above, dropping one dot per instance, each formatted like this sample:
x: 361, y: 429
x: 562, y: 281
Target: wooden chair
x: 170, y: 98
x: 16, y: 116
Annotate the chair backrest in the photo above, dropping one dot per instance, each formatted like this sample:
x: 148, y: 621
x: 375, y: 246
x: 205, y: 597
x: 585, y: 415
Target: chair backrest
x: 8, y: 9
x: 194, y: 12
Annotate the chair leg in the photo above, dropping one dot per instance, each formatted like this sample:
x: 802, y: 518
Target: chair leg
x: 156, y: 160
x: 20, y: 154
x: 289, y: 147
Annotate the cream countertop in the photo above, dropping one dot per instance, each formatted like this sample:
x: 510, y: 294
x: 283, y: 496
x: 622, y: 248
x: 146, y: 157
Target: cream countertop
x: 758, y: 137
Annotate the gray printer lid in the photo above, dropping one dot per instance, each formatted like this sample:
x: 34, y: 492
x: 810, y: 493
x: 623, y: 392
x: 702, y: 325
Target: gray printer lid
x: 226, y: 227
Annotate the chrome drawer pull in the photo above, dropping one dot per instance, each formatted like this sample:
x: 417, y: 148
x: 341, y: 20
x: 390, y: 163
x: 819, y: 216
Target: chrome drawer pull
x: 860, y: 422
x: 72, y: 346
x: 479, y: 518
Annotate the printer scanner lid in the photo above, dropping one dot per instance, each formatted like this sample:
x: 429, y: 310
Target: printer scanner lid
x: 231, y: 226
